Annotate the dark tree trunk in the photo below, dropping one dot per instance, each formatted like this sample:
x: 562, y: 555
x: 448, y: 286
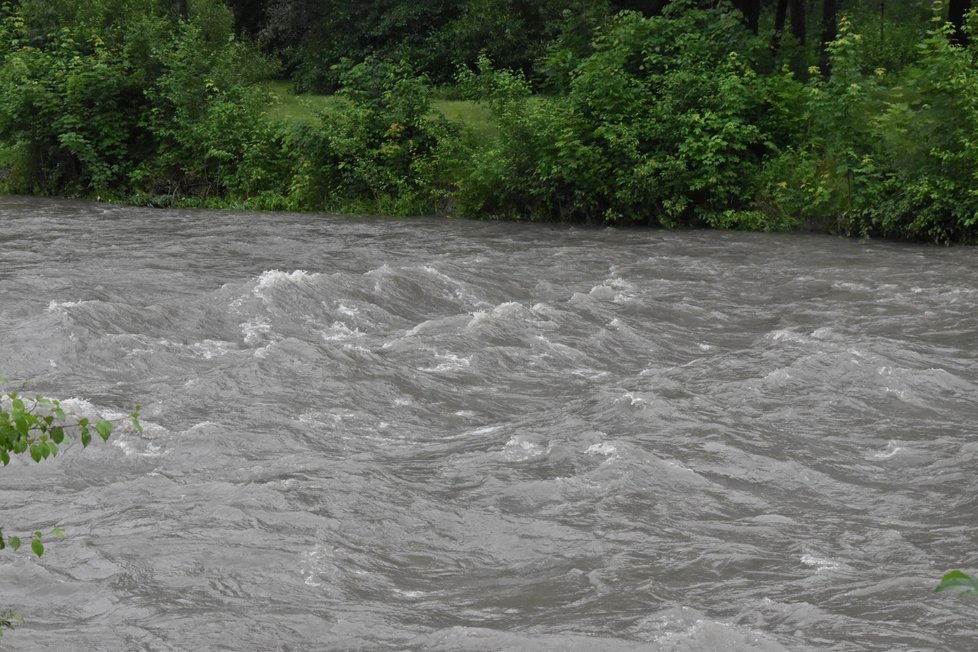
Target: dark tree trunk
x: 646, y: 7
x: 180, y: 8
x: 780, y: 13
x: 752, y: 13
x: 830, y: 30
x: 249, y: 15
x: 955, y: 14
x: 798, y: 20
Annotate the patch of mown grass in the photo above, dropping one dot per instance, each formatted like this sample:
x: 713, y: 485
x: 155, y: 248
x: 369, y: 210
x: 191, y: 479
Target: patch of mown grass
x: 289, y: 107
x: 469, y: 114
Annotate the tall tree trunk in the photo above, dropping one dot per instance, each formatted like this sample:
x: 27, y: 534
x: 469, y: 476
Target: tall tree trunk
x: 798, y: 20
x: 830, y: 30
x: 752, y: 13
x: 646, y: 7
x: 882, y: 21
x: 180, y: 9
x: 955, y: 14
x: 780, y: 13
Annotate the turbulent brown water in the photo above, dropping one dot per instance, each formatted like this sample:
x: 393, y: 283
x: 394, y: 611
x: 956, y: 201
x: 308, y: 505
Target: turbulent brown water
x: 437, y: 435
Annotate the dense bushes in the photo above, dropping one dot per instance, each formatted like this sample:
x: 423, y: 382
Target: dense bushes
x: 659, y: 126
x: 373, y: 152
x: 679, y: 119
x: 122, y: 98
x: 877, y: 154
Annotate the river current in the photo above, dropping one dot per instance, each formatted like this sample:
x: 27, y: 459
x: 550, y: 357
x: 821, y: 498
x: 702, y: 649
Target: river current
x: 373, y: 434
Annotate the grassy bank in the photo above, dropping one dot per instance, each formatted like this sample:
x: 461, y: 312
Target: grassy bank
x: 287, y: 106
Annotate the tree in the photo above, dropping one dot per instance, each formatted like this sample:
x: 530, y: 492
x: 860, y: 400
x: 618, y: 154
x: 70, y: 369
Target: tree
x: 830, y: 29
x: 780, y: 14
x: 957, y: 10
x: 798, y: 20
x: 752, y: 13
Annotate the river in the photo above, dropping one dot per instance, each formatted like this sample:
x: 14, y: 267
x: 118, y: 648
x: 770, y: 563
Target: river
x: 375, y: 434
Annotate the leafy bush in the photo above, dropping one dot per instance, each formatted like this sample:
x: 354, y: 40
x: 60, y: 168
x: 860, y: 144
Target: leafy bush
x: 662, y: 125
x: 884, y: 155
x: 120, y: 98
x: 375, y: 152
x: 824, y: 134
x: 926, y: 148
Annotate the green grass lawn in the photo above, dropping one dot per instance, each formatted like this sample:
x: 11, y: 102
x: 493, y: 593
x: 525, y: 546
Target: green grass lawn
x: 289, y: 107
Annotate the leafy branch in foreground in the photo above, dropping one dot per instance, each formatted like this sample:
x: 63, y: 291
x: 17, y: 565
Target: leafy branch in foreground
x: 958, y: 580
x: 38, y: 426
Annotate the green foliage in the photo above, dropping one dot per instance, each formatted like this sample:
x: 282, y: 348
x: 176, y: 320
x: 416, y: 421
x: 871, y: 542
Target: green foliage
x: 824, y: 133
x: 117, y: 97
x: 676, y: 116
x: 9, y: 620
x: 661, y: 125
x: 958, y: 580
x: 876, y: 154
x: 926, y: 149
x: 39, y: 427
x: 375, y: 151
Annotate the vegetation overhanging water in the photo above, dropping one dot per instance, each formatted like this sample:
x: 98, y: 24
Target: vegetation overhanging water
x: 683, y: 113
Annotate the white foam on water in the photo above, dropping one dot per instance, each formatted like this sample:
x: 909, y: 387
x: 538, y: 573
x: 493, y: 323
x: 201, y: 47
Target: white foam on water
x: 255, y: 330
x: 208, y: 349
x: 75, y: 405
x: 274, y: 277
x: 616, y: 290
x: 631, y: 400
x: 448, y: 362
x: 61, y: 305
x: 778, y: 374
x: 151, y: 450
x: 783, y: 335
x: 501, y: 311
x: 520, y: 450
x: 820, y: 564
x: 890, y: 450
x: 484, y: 430
x: 340, y: 331
x: 604, y: 448
x: 704, y: 634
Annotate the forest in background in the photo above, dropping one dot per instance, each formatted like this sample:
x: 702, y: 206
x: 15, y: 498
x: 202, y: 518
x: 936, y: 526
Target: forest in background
x: 847, y: 116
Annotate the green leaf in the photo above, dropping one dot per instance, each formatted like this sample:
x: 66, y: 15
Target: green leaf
x: 37, y: 547
x: 15, y: 543
x: 958, y: 580
x: 36, y: 453
x: 58, y: 532
x: 4, y: 457
x: 58, y: 434
x: 134, y: 417
x: 58, y: 412
x: 104, y: 429
x: 86, y: 436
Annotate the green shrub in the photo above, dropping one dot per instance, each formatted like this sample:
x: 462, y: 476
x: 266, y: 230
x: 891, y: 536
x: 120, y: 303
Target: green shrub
x: 373, y: 153
x: 662, y: 125
x: 823, y: 157
x: 118, y: 97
